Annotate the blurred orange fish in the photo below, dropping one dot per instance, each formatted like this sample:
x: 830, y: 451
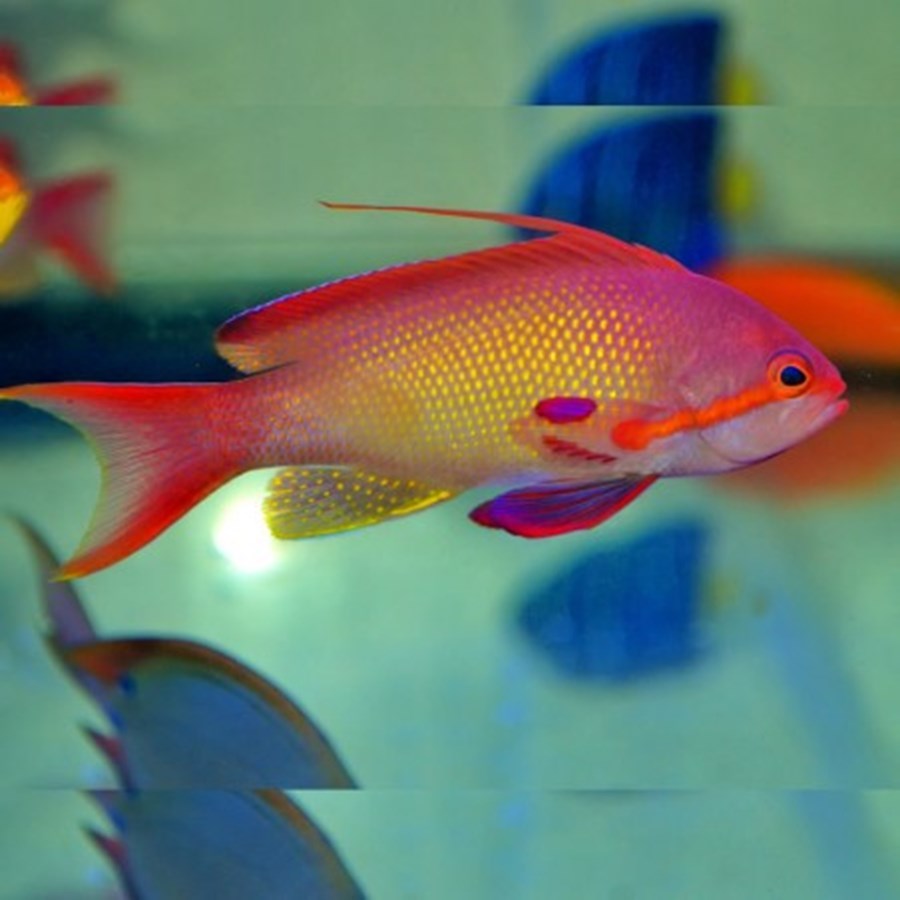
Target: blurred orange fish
x: 848, y: 315
x: 68, y: 219
x: 15, y: 91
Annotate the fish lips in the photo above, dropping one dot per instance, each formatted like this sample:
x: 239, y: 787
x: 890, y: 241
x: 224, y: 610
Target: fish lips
x: 825, y: 415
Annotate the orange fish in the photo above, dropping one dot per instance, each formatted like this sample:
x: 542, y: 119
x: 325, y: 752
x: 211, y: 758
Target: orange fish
x: 570, y: 371
x: 14, y: 89
x: 849, y: 315
x: 66, y: 218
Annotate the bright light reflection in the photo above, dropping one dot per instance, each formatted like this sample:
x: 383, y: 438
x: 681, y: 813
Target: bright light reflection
x: 240, y: 534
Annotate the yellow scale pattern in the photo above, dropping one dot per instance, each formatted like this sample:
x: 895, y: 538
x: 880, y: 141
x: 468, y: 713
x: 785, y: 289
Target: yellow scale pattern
x: 448, y: 384
x: 307, y: 501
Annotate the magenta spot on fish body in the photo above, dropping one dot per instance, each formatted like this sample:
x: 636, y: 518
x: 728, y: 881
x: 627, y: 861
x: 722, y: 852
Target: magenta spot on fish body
x: 563, y: 410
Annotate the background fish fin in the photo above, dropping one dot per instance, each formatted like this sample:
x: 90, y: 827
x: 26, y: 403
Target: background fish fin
x: 69, y: 621
x: 272, y: 334
x: 18, y: 272
x: 337, y: 877
x: 304, y: 502
x: 88, y: 92
x: 13, y: 204
x: 559, y: 507
x: 71, y: 219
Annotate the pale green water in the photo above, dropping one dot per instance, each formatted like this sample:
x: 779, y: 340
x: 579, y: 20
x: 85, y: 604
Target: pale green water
x: 769, y: 769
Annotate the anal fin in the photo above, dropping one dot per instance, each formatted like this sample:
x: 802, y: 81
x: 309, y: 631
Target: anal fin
x: 554, y: 508
x: 310, y: 501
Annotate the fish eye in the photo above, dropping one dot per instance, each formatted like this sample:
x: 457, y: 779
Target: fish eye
x: 790, y: 374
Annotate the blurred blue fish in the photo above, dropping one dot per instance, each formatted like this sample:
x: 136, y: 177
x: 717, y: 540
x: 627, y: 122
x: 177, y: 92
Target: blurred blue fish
x: 626, y: 612
x: 184, y: 714
x: 227, y: 845
x: 653, y: 181
x: 187, y: 715
x: 673, y: 60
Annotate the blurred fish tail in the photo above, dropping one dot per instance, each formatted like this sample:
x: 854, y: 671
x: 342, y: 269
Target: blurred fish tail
x: 68, y: 619
x: 71, y: 219
x: 88, y: 92
x: 161, y: 451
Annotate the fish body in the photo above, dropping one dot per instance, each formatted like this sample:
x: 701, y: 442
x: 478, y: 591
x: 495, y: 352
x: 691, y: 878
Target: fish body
x: 67, y: 219
x: 572, y: 370
x: 228, y: 845
x: 189, y: 716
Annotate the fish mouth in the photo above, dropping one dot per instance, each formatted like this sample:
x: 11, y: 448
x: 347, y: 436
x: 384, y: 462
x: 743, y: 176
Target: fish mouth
x: 833, y: 411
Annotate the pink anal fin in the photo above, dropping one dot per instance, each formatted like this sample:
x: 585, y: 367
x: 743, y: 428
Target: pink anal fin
x: 560, y: 507
x: 88, y: 92
x: 564, y: 410
x: 71, y: 218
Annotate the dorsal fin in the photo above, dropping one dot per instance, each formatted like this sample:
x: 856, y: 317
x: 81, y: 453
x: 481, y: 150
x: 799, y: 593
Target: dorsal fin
x: 264, y: 337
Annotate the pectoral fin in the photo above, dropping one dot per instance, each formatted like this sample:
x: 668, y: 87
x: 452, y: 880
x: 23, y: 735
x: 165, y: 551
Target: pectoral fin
x: 305, y: 502
x: 559, y: 507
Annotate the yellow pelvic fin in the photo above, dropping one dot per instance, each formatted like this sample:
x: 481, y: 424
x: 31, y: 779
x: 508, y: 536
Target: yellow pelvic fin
x: 740, y: 85
x: 309, y: 501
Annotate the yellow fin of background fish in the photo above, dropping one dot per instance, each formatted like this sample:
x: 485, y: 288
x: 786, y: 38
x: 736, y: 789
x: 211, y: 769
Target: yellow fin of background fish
x: 13, y: 203
x: 309, y: 501
x: 740, y: 85
x: 736, y: 190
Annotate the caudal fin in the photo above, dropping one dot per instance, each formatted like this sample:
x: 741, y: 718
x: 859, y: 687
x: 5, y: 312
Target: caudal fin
x: 71, y: 218
x: 88, y: 92
x: 160, y: 453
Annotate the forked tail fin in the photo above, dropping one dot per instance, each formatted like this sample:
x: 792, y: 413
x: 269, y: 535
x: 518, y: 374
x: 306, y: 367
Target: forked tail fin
x: 71, y: 218
x: 160, y: 451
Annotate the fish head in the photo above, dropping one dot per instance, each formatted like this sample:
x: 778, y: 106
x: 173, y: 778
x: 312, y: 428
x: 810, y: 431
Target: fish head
x: 753, y: 386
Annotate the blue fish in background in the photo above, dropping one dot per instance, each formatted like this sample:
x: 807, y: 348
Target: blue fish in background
x: 626, y: 612
x: 674, y: 60
x: 184, y: 714
x: 653, y: 181
x: 191, y: 718
x: 227, y: 845
x: 188, y: 715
